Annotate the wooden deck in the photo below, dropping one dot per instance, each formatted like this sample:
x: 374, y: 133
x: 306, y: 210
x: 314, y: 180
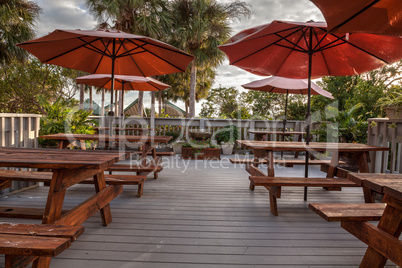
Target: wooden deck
x: 203, y: 217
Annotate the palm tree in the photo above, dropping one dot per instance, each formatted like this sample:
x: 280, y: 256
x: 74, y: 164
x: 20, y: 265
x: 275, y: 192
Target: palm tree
x: 17, y: 21
x: 149, y: 18
x: 200, y: 26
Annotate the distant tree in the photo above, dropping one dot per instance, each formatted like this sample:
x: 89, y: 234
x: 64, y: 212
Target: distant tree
x: 17, y: 22
x: 21, y: 83
x: 364, y: 89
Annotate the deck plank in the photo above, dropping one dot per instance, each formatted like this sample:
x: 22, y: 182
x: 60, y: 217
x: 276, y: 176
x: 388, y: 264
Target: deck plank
x: 207, y: 217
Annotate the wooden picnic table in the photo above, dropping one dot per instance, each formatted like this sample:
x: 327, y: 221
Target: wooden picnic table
x: 266, y: 149
x: 382, y: 240
x: 146, y: 141
x: 69, y: 167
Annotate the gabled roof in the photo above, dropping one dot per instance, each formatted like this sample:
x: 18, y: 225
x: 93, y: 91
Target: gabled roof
x: 95, y: 107
x: 173, y: 110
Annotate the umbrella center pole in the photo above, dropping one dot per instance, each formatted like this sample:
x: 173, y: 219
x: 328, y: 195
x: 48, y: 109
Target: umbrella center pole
x: 308, y: 117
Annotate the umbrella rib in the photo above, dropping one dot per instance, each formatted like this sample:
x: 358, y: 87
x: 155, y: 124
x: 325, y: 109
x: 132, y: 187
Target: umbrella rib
x: 274, y: 43
x: 73, y: 49
x: 322, y: 54
x: 359, y: 48
x: 357, y: 14
x: 161, y: 57
x: 133, y: 60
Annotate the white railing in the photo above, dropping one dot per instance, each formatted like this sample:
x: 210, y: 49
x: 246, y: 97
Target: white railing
x: 19, y: 130
x: 185, y: 125
x: 387, y: 133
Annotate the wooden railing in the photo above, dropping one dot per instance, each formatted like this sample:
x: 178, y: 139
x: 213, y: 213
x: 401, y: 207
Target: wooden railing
x: 19, y: 130
x: 386, y: 132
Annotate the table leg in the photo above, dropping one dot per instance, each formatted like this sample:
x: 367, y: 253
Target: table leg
x: 391, y: 222
x: 364, y: 168
x: 100, y: 184
x: 270, y: 164
x: 55, y: 198
x: 331, y: 171
x: 63, y: 144
x: 297, y: 152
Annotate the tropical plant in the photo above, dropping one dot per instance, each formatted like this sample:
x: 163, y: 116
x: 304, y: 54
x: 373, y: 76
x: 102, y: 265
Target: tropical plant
x: 17, y: 22
x: 61, y: 117
x: 393, y: 99
x: 199, y: 27
x: 342, y: 126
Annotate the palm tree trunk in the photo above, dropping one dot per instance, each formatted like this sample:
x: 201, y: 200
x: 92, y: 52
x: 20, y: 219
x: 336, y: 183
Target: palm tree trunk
x: 152, y: 113
x: 102, y: 113
x: 116, y: 107
x: 160, y: 102
x: 186, y: 103
x: 82, y: 96
x: 193, y: 83
x: 90, y: 98
x: 140, y: 103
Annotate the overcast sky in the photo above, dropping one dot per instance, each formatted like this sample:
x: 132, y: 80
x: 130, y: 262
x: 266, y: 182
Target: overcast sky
x: 72, y: 14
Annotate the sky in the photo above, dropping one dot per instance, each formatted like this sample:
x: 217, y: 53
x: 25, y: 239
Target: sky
x: 72, y: 14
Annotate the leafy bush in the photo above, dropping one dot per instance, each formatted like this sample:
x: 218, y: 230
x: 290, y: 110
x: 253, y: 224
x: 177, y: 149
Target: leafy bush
x: 175, y: 134
x: 228, y: 134
x: 61, y: 117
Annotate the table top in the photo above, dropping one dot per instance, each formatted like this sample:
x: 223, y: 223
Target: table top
x: 390, y: 184
x: 270, y: 132
x: 57, y: 159
x: 315, y: 146
x: 107, y: 138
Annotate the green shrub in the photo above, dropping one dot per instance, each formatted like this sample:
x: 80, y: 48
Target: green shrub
x: 228, y: 134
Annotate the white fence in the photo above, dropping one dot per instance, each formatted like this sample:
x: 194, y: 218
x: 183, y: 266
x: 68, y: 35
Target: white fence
x: 19, y: 130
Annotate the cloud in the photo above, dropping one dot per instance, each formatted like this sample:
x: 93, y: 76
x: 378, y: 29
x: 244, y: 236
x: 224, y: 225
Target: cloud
x: 63, y: 14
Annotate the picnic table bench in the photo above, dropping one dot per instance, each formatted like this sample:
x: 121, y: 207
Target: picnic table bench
x: 46, y: 177
x: 23, y: 244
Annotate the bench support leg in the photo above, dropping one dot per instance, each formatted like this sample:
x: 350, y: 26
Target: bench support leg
x: 106, y: 214
x: 41, y: 262
x: 140, y: 189
x: 331, y: 171
x: 273, y: 204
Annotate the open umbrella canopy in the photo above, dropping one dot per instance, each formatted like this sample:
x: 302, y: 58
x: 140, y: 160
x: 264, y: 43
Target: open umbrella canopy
x: 365, y: 16
x: 94, y: 51
x: 283, y: 48
x: 106, y: 51
x: 123, y: 82
x: 277, y: 84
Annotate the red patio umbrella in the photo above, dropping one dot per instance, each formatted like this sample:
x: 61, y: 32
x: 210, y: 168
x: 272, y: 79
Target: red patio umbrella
x: 276, y: 84
x: 364, y: 16
x: 123, y: 82
x: 307, y: 50
x: 106, y: 51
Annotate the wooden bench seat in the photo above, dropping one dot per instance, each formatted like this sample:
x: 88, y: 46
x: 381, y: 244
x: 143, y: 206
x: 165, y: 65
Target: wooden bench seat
x: 284, y: 162
x: 139, y: 169
x: 274, y: 184
x: 25, y: 243
x: 349, y: 212
x: 46, y: 177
